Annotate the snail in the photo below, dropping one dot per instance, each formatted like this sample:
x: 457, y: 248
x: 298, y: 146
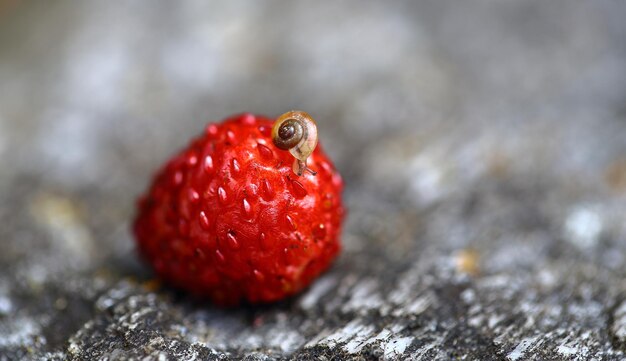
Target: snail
x: 296, y: 131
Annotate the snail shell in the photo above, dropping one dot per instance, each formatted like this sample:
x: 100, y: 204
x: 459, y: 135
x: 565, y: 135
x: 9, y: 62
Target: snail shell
x: 296, y: 131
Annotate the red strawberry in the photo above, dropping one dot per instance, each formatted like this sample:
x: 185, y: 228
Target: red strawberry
x: 230, y: 218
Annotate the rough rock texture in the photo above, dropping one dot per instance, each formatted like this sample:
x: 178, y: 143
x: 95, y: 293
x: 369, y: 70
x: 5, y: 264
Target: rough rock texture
x: 483, y: 145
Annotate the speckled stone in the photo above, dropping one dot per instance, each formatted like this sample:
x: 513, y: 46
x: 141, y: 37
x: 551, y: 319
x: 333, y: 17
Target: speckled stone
x: 483, y: 146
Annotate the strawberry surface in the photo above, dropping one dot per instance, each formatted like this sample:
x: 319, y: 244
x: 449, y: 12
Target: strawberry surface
x: 228, y: 219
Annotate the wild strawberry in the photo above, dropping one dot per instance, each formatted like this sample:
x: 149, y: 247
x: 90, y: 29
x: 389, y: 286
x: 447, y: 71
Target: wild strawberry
x: 235, y: 217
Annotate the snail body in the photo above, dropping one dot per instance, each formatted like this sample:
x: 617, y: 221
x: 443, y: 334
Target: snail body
x: 296, y: 131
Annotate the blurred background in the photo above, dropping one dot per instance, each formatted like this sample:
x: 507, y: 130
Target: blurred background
x: 483, y: 145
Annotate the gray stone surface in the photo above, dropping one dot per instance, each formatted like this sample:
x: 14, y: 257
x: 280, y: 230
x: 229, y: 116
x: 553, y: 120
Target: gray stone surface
x: 483, y: 145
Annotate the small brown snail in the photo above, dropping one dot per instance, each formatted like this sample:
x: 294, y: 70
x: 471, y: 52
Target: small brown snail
x: 296, y: 131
